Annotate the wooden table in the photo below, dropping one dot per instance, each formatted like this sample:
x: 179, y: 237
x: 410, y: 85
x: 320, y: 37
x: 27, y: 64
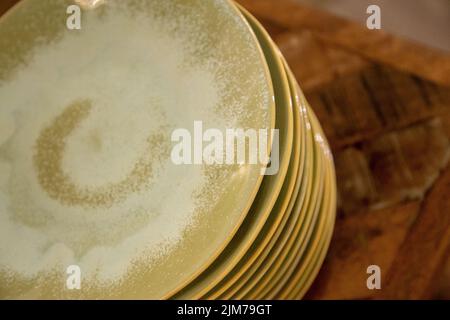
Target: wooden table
x: 384, y: 104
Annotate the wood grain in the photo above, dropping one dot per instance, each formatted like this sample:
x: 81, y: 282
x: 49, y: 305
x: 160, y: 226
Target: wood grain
x: 424, y: 250
x: 377, y: 45
x: 5, y: 5
x: 384, y: 104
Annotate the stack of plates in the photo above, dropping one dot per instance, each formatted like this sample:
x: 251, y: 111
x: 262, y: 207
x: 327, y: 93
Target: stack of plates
x: 280, y: 247
x: 93, y: 203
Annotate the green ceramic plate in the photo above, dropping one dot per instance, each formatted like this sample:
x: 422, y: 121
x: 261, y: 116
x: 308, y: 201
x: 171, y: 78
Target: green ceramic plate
x: 87, y: 176
x: 297, y: 238
x: 281, y: 220
x: 305, y: 240
x: 268, y: 193
x: 309, y: 266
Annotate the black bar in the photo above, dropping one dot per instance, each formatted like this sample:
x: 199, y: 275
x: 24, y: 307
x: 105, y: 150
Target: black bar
x: 228, y: 309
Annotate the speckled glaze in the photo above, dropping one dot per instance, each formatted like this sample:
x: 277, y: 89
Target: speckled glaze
x: 78, y: 218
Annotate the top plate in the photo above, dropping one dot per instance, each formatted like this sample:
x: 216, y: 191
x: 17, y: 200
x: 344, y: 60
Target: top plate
x: 87, y: 170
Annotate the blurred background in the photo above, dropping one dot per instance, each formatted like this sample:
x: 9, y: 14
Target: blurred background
x: 424, y: 21
x: 383, y: 99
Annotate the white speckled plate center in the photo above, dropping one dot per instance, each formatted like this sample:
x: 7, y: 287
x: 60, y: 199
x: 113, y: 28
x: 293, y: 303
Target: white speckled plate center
x: 87, y: 117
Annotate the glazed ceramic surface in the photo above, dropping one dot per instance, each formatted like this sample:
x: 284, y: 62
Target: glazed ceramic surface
x: 87, y: 173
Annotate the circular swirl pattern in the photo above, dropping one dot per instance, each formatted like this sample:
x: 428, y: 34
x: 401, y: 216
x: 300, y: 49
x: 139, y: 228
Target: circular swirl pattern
x: 50, y: 147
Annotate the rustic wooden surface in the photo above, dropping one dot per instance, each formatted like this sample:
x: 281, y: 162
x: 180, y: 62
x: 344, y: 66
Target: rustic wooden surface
x: 384, y: 104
